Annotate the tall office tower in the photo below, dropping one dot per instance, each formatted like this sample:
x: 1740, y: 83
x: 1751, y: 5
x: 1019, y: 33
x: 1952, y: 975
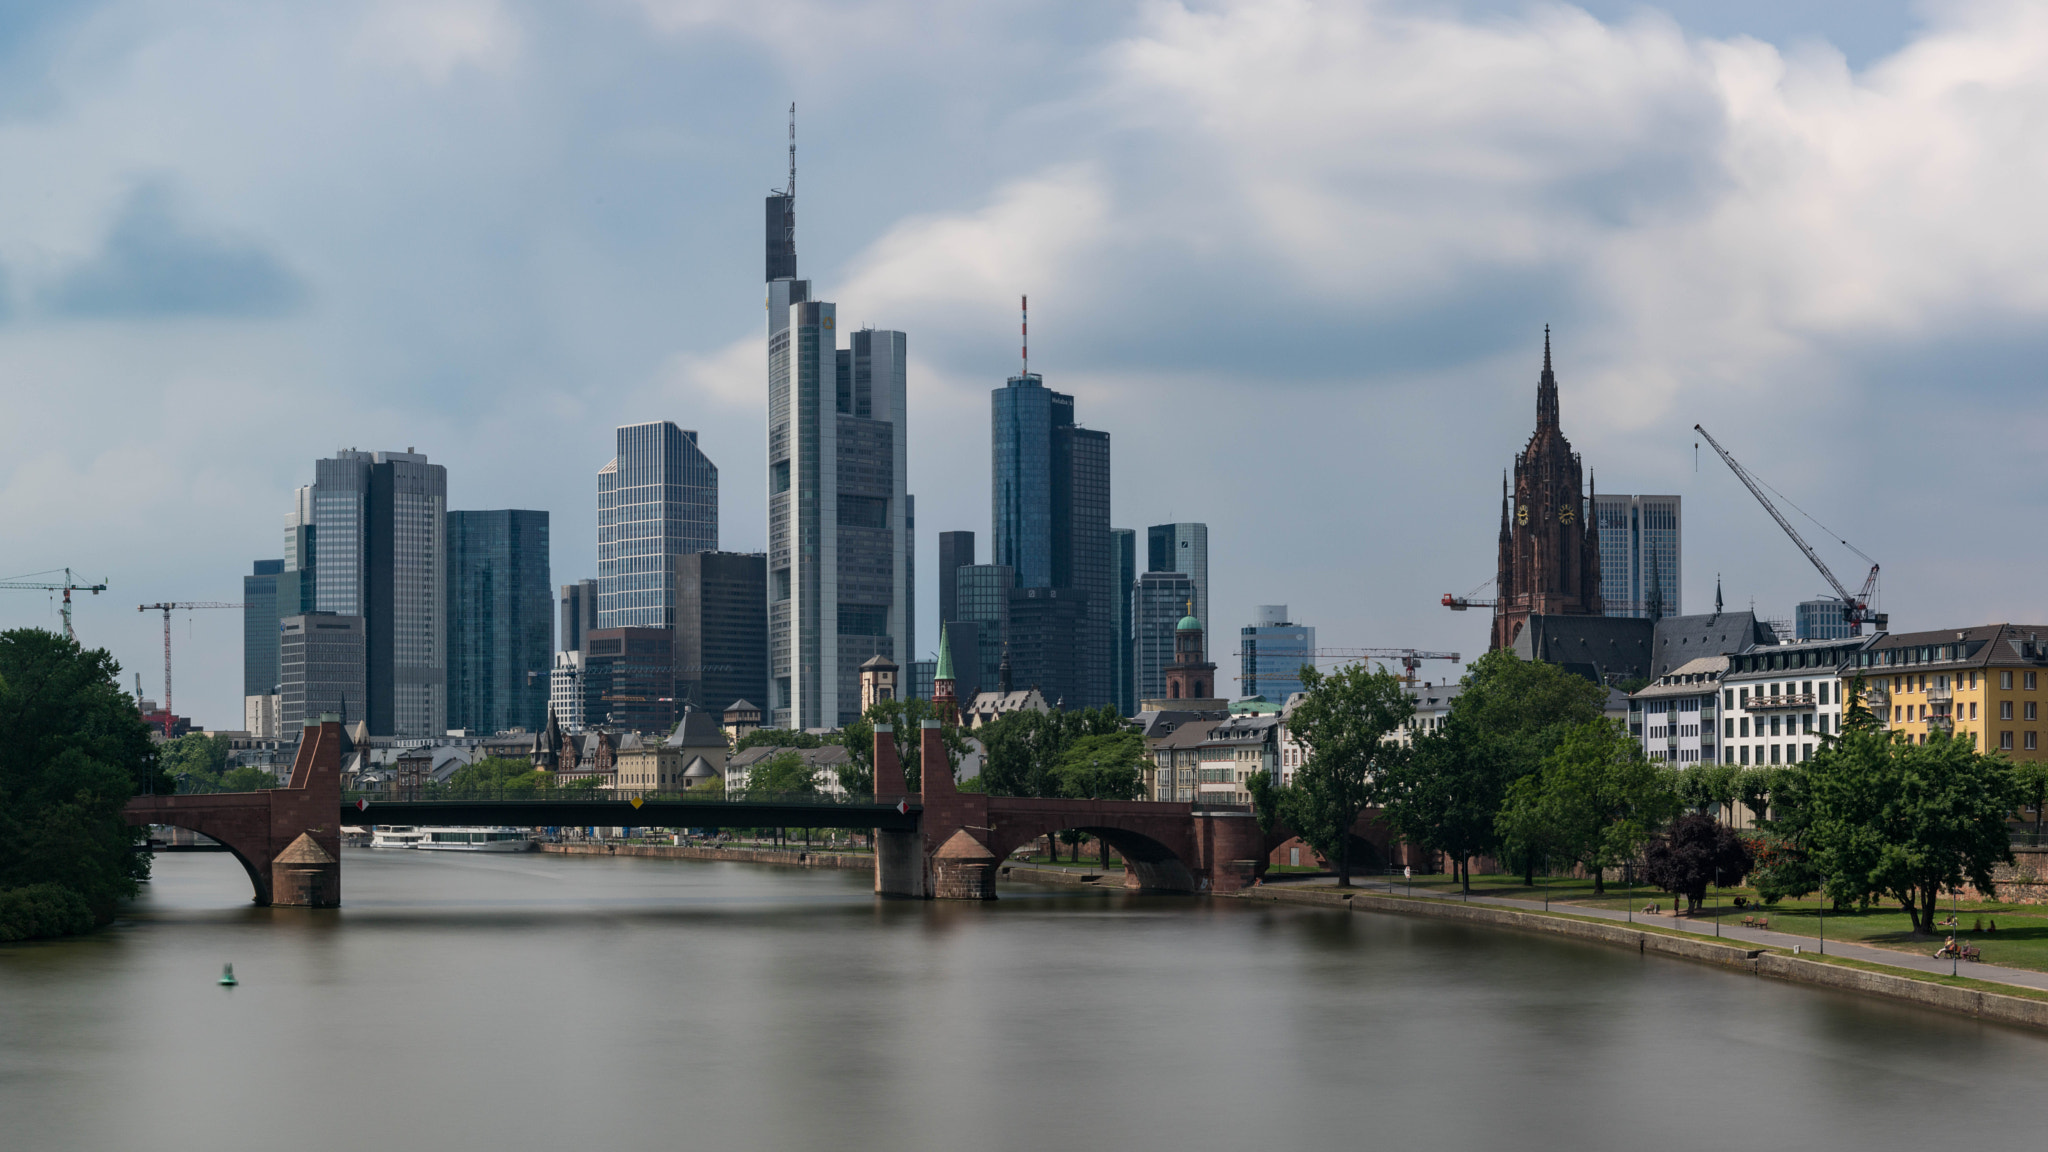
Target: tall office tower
x: 1182, y: 548
x: 1123, y: 684
x: 1158, y: 601
x: 983, y: 604
x: 1640, y: 549
x: 500, y: 621
x: 1825, y: 618
x: 721, y: 629
x: 320, y: 669
x: 1049, y: 512
x: 579, y: 614
x: 1271, y: 653
x: 956, y: 551
x: 1048, y: 633
x: 297, y: 580
x: 260, y: 648
x: 629, y: 679
x: 839, y: 545
x: 379, y: 531
x: 657, y: 498
x: 565, y: 690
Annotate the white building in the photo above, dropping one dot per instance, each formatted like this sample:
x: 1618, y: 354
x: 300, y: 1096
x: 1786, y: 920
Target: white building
x: 1677, y: 718
x: 565, y: 691
x: 1778, y: 701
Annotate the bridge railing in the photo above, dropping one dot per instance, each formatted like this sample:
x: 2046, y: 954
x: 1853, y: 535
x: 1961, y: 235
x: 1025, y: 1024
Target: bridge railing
x: 573, y: 793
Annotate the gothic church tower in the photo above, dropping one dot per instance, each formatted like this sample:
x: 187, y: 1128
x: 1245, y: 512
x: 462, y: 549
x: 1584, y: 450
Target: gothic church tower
x: 1549, y: 544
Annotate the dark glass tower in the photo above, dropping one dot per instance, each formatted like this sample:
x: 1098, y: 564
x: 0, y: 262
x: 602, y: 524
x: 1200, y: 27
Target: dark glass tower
x: 1123, y: 688
x: 721, y: 652
x: 259, y: 628
x: 500, y: 626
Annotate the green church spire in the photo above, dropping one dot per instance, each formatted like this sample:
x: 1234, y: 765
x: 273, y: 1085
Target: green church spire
x: 945, y: 668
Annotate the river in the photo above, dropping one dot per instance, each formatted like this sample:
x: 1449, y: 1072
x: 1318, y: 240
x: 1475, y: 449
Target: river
x: 530, y: 1001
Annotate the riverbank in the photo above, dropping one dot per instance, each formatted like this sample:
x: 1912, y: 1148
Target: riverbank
x: 2005, y: 1004
x: 788, y: 858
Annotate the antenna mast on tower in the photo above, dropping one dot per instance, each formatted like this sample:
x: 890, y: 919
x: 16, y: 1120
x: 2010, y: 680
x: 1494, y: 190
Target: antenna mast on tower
x: 789, y: 210
x: 1024, y: 329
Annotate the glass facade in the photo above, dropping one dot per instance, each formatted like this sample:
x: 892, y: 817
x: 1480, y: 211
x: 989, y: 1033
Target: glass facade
x: 1020, y: 485
x: 1123, y: 550
x: 1182, y: 548
x: 983, y: 592
x: 321, y: 669
x: 628, y: 679
x: 721, y: 629
x: 1640, y: 555
x: 259, y: 628
x: 1823, y: 619
x: 501, y: 627
x: 1158, y: 601
x: 657, y: 498
x: 1271, y: 653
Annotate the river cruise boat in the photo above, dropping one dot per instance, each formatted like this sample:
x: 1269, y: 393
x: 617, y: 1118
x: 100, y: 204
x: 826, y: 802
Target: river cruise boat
x: 475, y: 840
x: 395, y: 836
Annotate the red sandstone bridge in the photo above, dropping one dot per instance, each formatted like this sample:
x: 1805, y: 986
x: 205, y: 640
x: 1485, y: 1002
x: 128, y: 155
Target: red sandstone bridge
x: 941, y: 843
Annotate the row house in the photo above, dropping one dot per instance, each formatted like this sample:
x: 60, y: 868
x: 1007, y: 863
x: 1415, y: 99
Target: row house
x: 1675, y: 718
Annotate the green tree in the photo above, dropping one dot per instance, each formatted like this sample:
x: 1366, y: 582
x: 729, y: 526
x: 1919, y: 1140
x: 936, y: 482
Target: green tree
x: 1446, y: 793
x: 782, y: 773
x: 1513, y: 713
x: 247, y: 778
x: 1905, y: 821
x: 2030, y: 779
x: 907, y: 717
x: 1025, y: 748
x: 73, y: 749
x: 1343, y: 719
x: 495, y: 775
x: 1105, y: 767
x: 778, y: 738
x: 1595, y: 801
x: 196, y: 762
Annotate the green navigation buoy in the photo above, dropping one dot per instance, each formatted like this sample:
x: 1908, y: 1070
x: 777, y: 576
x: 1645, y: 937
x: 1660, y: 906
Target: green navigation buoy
x: 227, y: 975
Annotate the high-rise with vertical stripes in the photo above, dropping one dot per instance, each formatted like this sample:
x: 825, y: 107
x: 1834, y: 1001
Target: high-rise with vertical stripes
x: 657, y: 498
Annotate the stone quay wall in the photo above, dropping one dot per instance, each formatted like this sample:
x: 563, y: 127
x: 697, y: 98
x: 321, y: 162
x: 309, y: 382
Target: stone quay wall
x: 797, y: 858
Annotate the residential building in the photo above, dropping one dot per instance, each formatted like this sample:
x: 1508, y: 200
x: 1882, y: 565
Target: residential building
x: 982, y: 600
x: 1271, y: 653
x: 1986, y: 683
x: 840, y: 552
x: 262, y: 716
x: 1164, y: 754
x: 1123, y: 681
x: 1049, y: 510
x: 500, y: 620
x: 1182, y: 548
x: 322, y: 668
x: 579, y: 614
x: 1235, y: 749
x: 1158, y: 601
x: 1822, y: 618
x: 1640, y: 549
x: 987, y: 707
x: 824, y: 763
x: 378, y: 550
x: 1432, y: 703
x: 565, y: 691
x: 1677, y: 718
x: 1549, y: 551
x: 260, y: 648
x: 629, y: 679
x: 657, y: 498
x: 1779, y: 701
x: 721, y: 631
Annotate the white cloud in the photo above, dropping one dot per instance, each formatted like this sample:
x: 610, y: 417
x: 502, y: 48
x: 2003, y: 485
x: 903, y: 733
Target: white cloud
x: 439, y: 37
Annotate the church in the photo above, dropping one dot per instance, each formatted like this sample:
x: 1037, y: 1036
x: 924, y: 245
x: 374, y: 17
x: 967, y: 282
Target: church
x: 1549, y: 543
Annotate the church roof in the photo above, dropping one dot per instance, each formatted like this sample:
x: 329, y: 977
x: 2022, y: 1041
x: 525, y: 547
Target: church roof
x: 944, y: 671
x: 1188, y: 624
x: 697, y: 730
x: 1680, y: 639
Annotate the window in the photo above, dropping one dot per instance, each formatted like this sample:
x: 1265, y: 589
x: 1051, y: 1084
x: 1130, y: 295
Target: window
x: 2005, y: 681
x: 1774, y: 753
x: 1973, y: 709
x: 1895, y: 713
x: 2031, y: 710
x: 1808, y: 725
x: 1774, y: 725
x: 1823, y: 723
x: 1745, y: 753
x: 1731, y: 697
x: 1728, y: 729
x: 2027, y: 681
x: 1806, y: 751
x: 2005, y: 710
x: 1806, y: 687
x: 1745, y: 697
x: 2031, y: 746
x: 1745, y: 726
x: 1823, y: 691
x: 2005, y: 741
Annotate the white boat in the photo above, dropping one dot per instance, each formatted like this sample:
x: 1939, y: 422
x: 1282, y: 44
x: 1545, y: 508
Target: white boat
x: 396, y: 836
x: 477, y: 839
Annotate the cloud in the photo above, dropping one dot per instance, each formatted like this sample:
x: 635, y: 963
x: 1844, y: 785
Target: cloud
x: 439, y: 37
x: 153, y: 264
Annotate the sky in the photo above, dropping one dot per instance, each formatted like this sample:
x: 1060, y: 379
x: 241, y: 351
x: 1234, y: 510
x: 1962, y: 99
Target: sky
x: 1296, y: 256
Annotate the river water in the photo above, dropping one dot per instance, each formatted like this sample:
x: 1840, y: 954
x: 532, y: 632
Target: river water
x: 535, y: 1001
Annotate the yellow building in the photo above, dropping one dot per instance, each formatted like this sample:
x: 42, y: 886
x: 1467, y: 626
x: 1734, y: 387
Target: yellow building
x: 1985, y: 682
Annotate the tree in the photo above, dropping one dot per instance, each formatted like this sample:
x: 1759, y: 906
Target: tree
x: 1698, y: 850
x: 1904, y: 821
x: 73, y: 749
x: 1446, y: 793
x: 1024, y: 748
x: 1343, y: 719
x: 781, y: 773
x: 1595, y: 801
x: 778, y: 738
x: 907, y: 717
x: 196, y: 761
x: 1516, y: 712
x: 1104, y: 767
x: 2030, y: 779
x: 499, y: 774
x: 247, y: 778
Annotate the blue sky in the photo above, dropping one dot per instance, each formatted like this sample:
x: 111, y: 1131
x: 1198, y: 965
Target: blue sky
x: 1295, y: 255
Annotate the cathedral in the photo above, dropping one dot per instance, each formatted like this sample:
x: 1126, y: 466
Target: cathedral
x: 1549, y: 543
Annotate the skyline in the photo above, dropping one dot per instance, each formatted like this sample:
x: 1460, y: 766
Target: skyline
x: 183, y: 304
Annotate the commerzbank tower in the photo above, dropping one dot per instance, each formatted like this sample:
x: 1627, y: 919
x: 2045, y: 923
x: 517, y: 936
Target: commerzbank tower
x: 840, y: 525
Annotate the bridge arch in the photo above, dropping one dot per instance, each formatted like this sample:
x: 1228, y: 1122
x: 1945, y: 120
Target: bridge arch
x: 1157, y: 847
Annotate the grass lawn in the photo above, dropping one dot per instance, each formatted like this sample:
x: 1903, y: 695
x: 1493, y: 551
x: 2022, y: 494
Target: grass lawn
x: 2020, y: 942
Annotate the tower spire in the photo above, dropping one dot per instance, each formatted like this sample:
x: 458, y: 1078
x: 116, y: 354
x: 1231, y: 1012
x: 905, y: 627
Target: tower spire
x: 1024, y: 330
x: 1546, y: 389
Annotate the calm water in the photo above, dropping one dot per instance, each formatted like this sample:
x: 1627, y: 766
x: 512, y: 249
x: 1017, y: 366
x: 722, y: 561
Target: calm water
x: 533, y: 1001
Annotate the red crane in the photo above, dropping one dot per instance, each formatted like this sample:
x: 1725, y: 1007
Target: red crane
x: 166, y: 609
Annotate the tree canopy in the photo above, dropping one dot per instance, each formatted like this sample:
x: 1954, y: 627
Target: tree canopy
x: 778, y: 738
x: 783, y: 772
x: 907, y: 717
x: 1696, y: 851
x: 1025, y: 748
x: 1343, y: 718
x: 1102, y: 767
x: 1595, y: 801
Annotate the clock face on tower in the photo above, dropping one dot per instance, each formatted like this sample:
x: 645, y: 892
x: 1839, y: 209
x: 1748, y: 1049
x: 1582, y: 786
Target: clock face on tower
x: 1522, y: 514
x: 1564, y: 515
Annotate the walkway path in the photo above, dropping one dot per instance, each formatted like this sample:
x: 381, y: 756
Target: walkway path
x: 1914, y: 961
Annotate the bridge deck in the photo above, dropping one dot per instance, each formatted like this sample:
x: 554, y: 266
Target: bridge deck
x: 565, y: 813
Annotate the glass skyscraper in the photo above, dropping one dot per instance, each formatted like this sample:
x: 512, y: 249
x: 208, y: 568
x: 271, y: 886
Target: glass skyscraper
x: 501, y: 624
x: 259, y: 628
x: 1123, y: 686
x: 657, y: 498
x: 982, y: 596
x: 1158, y: 601
x: 1182, y: 548
x: 1640, y: 553
x: 1271, y: 653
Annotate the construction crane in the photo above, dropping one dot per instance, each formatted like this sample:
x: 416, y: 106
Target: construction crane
x: 70, y: 585
x: 1411, y: 658
x: 166, y: 609
x: 1470, y: 600
x: 1856, y: 609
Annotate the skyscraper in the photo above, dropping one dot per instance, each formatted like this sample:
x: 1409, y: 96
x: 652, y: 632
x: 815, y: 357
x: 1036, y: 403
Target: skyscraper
x: 260, y: 648
x: 579, y: 615
x: 956, y: 550
x: 1271, y: 653
x: 1640, y: 549
x: 983, y: 606
x: 1158, y: 601
x: 500, y: 625
x: 1048, y: 635
x: 839, y: 545
x: 1049, y: 512
x: 721, y: 629
x: 657, y: 498
x: 379, y: 551
x: 320, y: 669
x: 1123, y: 683
x: 1182, y: 548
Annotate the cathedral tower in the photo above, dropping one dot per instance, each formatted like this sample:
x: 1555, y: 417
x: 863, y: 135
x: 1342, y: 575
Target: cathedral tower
x: 1549, y: 544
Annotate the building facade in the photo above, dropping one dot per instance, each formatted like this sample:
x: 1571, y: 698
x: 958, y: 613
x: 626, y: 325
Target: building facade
x: 629, y: 679
x: 1049, y: 637
x: 839, y: 546
x: 1182, y: 548
x: 1823, y: 618
x: 1677, y: 719
x: 501, y: 620
x: 983, y: 602
x: 1780, y: 701
x: 1123, y: 680
x: 565, y: 690
x: 1987, y: 683
x: 260, y: 648
x: 378, y: 549
x: 579, y: 615
x: 1640, y: 549
x: 1158, y: 601
x: 657, y: 498
x: 721, y: 656
x: 1271, y: 654
x: 956, y: 551
x: 321, y: 669
x: 1549, y: 555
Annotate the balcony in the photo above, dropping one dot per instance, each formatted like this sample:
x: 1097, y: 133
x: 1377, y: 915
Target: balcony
x: 1940, y: 695
x: 1784, y: 703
